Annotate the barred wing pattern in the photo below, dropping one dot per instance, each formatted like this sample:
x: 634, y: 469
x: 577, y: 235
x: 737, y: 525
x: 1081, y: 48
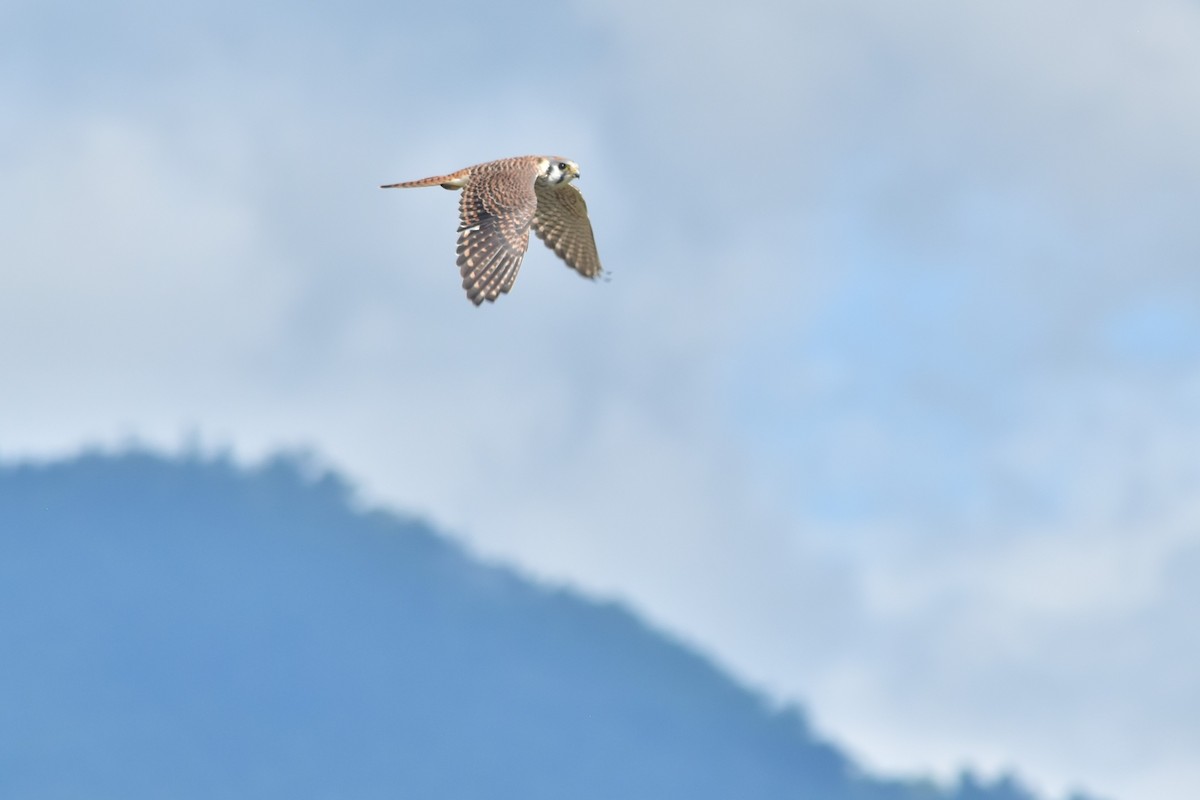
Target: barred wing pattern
x: 562, y: 223
x: 496, y: 209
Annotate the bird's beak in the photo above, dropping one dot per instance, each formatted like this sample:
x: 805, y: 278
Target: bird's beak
x: 575, y: 170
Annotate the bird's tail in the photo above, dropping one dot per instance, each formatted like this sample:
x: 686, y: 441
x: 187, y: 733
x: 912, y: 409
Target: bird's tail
x: 455, y: 180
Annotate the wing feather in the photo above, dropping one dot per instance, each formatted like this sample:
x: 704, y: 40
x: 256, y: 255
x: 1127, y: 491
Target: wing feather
x: 496, y: 210
x: 562, y: 223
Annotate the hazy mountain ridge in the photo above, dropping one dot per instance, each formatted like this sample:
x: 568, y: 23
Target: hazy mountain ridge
x: 188, y: 628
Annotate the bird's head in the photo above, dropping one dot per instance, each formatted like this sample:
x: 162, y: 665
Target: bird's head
x: 556, y: 170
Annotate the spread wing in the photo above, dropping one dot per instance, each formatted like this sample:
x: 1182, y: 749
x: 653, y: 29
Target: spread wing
x: 496, y: 209
x: 562, y: 223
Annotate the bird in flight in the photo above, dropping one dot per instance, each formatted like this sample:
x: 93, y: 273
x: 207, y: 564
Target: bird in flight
x: 500, y: 202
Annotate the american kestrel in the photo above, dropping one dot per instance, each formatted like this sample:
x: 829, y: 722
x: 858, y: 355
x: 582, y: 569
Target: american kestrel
x: 500, y: 201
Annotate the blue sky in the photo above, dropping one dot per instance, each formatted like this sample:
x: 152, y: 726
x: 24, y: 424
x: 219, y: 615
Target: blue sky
x: 890, y: 403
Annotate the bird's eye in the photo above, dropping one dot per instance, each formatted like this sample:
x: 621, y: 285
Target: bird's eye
x: 562, y: 165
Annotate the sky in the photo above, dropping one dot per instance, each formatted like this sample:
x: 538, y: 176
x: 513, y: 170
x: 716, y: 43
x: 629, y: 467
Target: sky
x: 890, y: 403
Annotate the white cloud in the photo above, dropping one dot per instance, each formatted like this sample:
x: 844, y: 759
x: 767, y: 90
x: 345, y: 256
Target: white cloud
x: 1044, y: 643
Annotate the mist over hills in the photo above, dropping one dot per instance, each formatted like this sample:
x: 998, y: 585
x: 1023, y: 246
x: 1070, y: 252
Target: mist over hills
x: 188, y: 628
